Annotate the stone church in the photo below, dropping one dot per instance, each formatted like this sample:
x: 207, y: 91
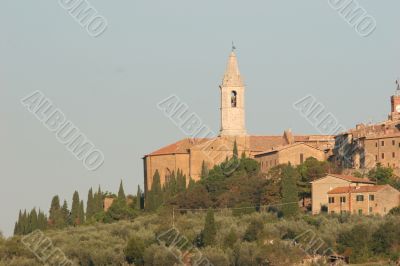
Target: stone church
x: 187, y: 155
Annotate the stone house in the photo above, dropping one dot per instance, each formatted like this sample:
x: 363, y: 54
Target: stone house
x: 321, y: 187
x: 294, y: 154
x: 363, y: 199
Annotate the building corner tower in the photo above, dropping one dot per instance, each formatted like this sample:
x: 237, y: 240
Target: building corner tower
x: 232, y: 100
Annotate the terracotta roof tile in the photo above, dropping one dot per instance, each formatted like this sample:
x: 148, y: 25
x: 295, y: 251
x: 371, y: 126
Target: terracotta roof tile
x: 352, y: 189
x: 263, y: 143
x: 181, y: 146
x: 284, y: 147
x: 353, y: 179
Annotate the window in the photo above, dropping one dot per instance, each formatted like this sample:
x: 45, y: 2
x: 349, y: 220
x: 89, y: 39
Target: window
x: 376, y: 144
x: 370, y: 209
x: 360, y: 198
x: 393, y: 154
x: 383, y: 156
x: 301, y: 158
x: 342, y: 199
x: 376, y: 157
x: 359, y: 211
x: 233, y: 98
x: 331, y: 199
x: 382, y: 143
x: 371, y: 197
x: 393, y: 142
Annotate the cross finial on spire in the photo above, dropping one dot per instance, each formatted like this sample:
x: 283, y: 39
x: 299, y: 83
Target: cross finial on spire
x: 233, y: 47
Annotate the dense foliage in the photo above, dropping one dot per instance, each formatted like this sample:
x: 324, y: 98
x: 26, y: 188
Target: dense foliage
x: 234, y: 215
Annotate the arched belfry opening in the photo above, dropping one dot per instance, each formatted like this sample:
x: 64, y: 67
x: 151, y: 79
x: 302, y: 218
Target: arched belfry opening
x: 233, y: 98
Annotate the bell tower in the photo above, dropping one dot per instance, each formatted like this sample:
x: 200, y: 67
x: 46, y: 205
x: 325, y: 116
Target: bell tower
x: 232, y: 100
x: 395, y: 103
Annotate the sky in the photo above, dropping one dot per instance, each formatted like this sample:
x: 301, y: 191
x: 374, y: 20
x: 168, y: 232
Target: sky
x: 109, y: 86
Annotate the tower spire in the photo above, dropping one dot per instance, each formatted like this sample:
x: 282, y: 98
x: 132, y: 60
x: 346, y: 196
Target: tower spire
x: 232, y: 76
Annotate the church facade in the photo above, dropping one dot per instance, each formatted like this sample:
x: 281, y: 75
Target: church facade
x: 188, y: 155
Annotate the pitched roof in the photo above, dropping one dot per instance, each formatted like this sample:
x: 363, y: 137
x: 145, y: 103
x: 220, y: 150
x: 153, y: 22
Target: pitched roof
x: 361, y: 189
x: 353, y: 179
x: 349, y: 178
x: 263, y: 143
x: 181, y: 147
x: 284, y: 147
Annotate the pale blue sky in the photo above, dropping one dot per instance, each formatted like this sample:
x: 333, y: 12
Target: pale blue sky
x: 109, y: 86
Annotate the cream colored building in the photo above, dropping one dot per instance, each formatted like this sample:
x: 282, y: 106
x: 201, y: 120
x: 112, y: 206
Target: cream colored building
x: 321, y: 187
x: 293, y: 154
x: 188, y: 154
x: 363, y: 199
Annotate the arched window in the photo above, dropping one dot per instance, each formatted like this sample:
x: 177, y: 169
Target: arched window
x: 233, y: 98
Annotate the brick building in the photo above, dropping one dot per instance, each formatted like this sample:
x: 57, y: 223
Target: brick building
x: 363, y: 199
x: 321, y: 187
x: 368, y: 145
x: 188, y: 154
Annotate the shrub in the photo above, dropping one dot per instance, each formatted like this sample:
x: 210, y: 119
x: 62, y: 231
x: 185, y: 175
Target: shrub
x: 134, y: 251
x: 253, y: 230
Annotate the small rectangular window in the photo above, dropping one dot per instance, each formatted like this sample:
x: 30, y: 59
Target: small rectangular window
x: 360, y: 211
x: 376, y: 157
x: 376, y: 144
x: 383, y: 156
x: 393, y: 154
x: 360, y: 198
x: 370, y: 209
x: 371, y: 197
x: 342, y: 199
x: 331, y: 200
x: 382, y: 143
x: 301, y: 158
x: 393, y: 142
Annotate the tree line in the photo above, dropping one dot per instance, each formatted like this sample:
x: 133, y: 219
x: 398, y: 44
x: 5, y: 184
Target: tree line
x: 61, y: 216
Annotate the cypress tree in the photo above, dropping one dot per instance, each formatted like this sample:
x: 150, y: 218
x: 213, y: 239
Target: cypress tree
x: 138, y: 198
x: 204, y: 170
x: 290, y: 207
x: 90, y: 208
x: 33, y: 221
x: 66, y: 214
x: 24, y: 223
x: 181, y: 181
x: 81, y: 217
x: 210, y: 229
x: 155, y: 196
x: 55, y: 214
x: 121, y: 193
x: 42, y: 220
x: 75, y: 208
x: 17, y: 228
x: 235, y: 150
x: 99, y: 201
x: 192, y: 183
